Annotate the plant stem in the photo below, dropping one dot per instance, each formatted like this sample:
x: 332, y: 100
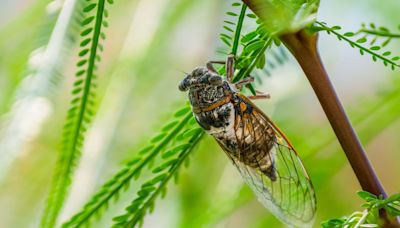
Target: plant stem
x: 379, y: 33
x: 238, y: 29
x: 303, y: 46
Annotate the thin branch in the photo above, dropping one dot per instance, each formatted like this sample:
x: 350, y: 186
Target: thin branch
x: 238, y: 30
x: 304, y: 48
x: 355, y: 44
x: 379, y: 33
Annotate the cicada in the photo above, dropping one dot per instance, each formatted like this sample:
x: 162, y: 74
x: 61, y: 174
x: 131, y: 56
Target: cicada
x: 263, y: 155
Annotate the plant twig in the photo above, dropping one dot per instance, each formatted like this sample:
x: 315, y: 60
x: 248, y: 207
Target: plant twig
x: 238, y: 30
x: 379, y: 33
x: 303, y: 46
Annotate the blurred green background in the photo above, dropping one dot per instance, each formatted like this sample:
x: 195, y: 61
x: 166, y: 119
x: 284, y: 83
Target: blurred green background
x: 150, y: 44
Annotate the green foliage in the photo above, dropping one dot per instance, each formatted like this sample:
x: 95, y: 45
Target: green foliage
x: 378, y: 32
x: 287, y: 15
x: 170, y: 134
x: 370, y: 216
x: 361, y: 40
x: 175, y: 142
x: 173, y: 159
x: 81, y: 108
x: 253, y: 45
x: 257, y: 52
x: 233, y: 34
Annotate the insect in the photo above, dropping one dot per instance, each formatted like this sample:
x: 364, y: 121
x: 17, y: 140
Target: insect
x: 260, y: 151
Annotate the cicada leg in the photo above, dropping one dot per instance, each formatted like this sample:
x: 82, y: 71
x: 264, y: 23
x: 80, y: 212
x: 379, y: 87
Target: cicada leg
x: 260, y: 95
x: 247, y: 81
x: 230, y: 70
x: 229, y: 66
x: 210, y: 66
x: 239, y: 85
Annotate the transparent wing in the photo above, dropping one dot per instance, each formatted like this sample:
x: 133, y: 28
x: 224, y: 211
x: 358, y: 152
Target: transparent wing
x: 270, y: 166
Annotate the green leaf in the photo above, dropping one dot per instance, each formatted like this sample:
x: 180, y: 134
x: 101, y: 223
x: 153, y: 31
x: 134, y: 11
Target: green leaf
x: 349, y: 34
x: 392, y: 210
x: 387, y: 53
x: 158, y: 137
x: 227, y: 28
x: 366, y: 195
x: 83, y: 52
x: 226, y: 41
x: 170, y: 125
x: 182, y: 111
x: 89, y: 8
x: 78, y: 118
x: 254, y: 46
x: 86, y: 31
x: 85, y: 42
x: 159, y: 178
x: 333, y: 223
x: 362, y: 40
x: 87, y: 20
x: 375, y: 48
x: 175, y: 150
x: 232, y: 14
x: 261, y: 62
x: 251, y: 15
x: 248, y: 37
x: 394, y: 197
x: 286, y: 15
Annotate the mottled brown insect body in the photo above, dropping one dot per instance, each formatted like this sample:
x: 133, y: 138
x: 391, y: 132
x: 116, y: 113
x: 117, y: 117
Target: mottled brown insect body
x: 260, y: 151
x: 220, y: 110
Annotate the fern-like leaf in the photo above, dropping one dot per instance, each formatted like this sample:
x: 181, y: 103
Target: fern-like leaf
x: 231, y: 29
x: 112, y: 188
x: 81, y: 110
x: 378, y: 32
x: 174, y: 158
x: 361, y: 43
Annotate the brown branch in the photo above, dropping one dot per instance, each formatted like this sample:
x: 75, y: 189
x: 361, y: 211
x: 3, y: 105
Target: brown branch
x: 303, y: 46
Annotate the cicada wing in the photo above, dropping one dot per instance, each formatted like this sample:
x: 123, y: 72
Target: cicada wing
x: 271, y: 167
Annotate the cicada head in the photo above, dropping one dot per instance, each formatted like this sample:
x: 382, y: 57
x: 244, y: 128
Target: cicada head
x: 205, y: 87
x: 200, y: 77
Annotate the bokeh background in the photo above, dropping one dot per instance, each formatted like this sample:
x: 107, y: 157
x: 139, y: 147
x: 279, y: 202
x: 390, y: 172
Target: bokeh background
x: 150, y: 44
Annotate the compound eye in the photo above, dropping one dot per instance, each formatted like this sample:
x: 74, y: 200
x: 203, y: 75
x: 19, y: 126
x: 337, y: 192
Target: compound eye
x: 184, y: 85
x: 215, y: 80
